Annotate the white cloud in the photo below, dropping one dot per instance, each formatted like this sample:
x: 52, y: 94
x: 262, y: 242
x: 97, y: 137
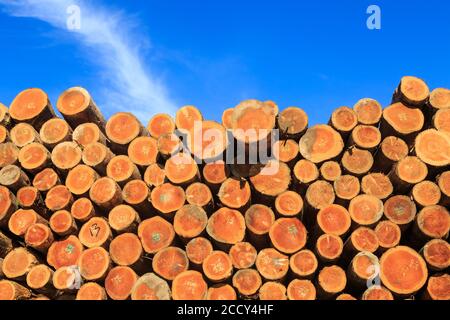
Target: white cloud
x: 126, y: 84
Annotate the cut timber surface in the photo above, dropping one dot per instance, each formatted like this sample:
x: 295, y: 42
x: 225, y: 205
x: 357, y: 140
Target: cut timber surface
x: 399, y: 120
x: 292, y: 122
x: 436, y: 253
x: 155, y: 234
x: 189, y: 285
x: 88, y: 133
x: 441, y: 120
x: 150, y: 287
x: 321, y: 143
x: 377, y: 184
x: 344, y: 120
x: 443, y: 180
x: 31, y: 106
x: 34, y: 157
x: 121, y: 129
x: 433, y: 148
x: 143, y: 151
x: 401, y: 210
x: 23, y: 134
x: 55, y: 131
x: 97, y: 156
x: 439, y: 99
x: 392, y: 149
x: 207, y: 140
x: 66, y: 156
x: 80, y: 179
x: 288, y: 235
x: 226, y: 226
x: 407, y: 172
x: 365, y: 210
x: 368, y: 111
x: 161, y: 124
x: 186, y: 117
x: 412, y: 91
x: 357, y: 162
x: 365, y: 137
x: 426, y: 193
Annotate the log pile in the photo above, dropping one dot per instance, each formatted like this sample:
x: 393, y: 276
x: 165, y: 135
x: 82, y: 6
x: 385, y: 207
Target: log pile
x: 186, y: 208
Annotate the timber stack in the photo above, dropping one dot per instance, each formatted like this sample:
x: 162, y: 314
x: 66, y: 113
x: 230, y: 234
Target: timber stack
x: 188, y: 208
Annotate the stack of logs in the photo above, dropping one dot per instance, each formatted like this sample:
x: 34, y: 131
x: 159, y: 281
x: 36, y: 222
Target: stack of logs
x: 356, y: 209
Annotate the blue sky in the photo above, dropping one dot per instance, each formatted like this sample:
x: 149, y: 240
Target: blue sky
x: 317, y: 55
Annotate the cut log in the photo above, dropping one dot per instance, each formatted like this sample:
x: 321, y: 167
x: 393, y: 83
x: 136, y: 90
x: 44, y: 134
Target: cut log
x: 443, y: 180
x: 330, y: 171
x: 365, y: 210
x: 235, y: 194
x: 346, y: 188
x: 106, y: 193
x: 357, y: 162
x: 247, y: 282
x: 271, y: 181
x: 39, y: 236
x: 433, y: 148
x: 4, y: 135
x: 161, y: 124
x: 97, y: 156
x: 401, y: 210
x: 122, y: 170
x: 365, y: 137
x: 334, y: 220
x: 403, y: 271
x: 301, y: 290
x: 363, y: 270
x: 437, y: 288
x: 432, y: 222
x: 30, y: 198
x: 91, y: 291
x: 126, y: 250
x: 66, y: 156
x: 401, y: 121
x: 8, y: 205
x: 217, y: 267
x: 6, y: 245
x: 329, y: 248
x: 169, y: 144
x: 319, y: 195
x: 197, y: 250
x: 23, y: 134
x: 272, y: 264
x: 40, y: 279
x: 258, y: 220
x: 9, y: 154
x: 80, y: 180
x: 344, y: 120
x: 150, y: 287
x: 55, y: 131
x: 155, y: 175
x: 392, y: 150
x: 18, y: 263
x: 63, y: 224
x: 189, y: 222
x: 426, y: 193
x: 227, y: 227
x: 362, y: 239
x: 286, y: 151
x: 377, y: 185
x: 321, y: 143
x: 121, y: 129
x: 82, y: 210
x: 331, y: 282
x: 388, y: 234
x: 77, y: 107
x: 406, y: 173
x: 292, y: 122
x: 439, y: 99
x: 46, y: 179
x: 377, y: 293
x: 199, y: 194
x: 88, y: 133
x: 181, y: 169
x: 186, y: 117
x: 96, y: 233
x: 436, y: 253
x: 13, y: 178
x: 136, y: 194
x: 303, y: 264
x: 412, y: 91
x: 21, y: 220
x: 288, y: 235
x: 119, y: 282
x: 368, y: 111
x: 214, y: 174
x: 155, y: 234
x: 10, y: 290
x: 59, y: 198
x: 345, y: 296
x: 441, y: 120
x: 222, y: 292
x: 143, y: 151
x: 94, y: 264
x: 305, y: 173
x: 243, y: 255
x: 34, y: 157
x: 31, y: 106
x: 66, y: 280
x: 207, y: 140
x: 288, y: 204
x: 5, y: 117
x: 189, y: 285
x: 123, y: 219
x: 226, y: 118
x: 167, y: 199
x: 64, y: 253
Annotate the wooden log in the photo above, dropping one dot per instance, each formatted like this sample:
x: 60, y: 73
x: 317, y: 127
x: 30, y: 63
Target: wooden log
x: 106, y: 193
x: 303, y: 264
x: 346, y: 187
x: 431, y: 222
x: 64, y: 253
x: 361, y: 239
x: 155, y: 175
x: 321, y: 143
x: 272, y: 264
x: 330, y: 171
x: 439, y: 100
x: 443, y: 180
x: 40, y: 279
x: 226, y: 118
x: 82, y: 210
x: 400, y: 210
x: 368, y: 111
x: 226, y: 227
x: 412, y: 91
x: 63, y: 224
x: 401, y: 121
x: 189, y: 285
x: 377, y: 184
x: 403, y: 271
x: 271, y: 181
x: 39, y: 236
x: 288, y: 204
x: 319, y: 195
x: 46, y: 179
x: 222, y: 292
x: 363, y: 270
x: 18, y: 263
x: 243, y: 255
x: 67, y: 280
x: 181, y: 169
x: 288, y: 235
x: 121, y: 129
x: 167, y: 199
x: 155, y: 234
x: 365, y: 137
x: 197, y: 250
x: 136, y: 194
x: 120, y: 282
x: 126, y: 250
x: 357, y: 162
x: 365, y: 210
x: 235, y: 194
x: 186, y: 117
x: 23, y: 134
x: 13, y: 178
x: 333, y: 219
x: 59, y: 198
x: 91, y: 291
x: 8, y: 205
x: 436, y: 253
x: 345, y: 296
x: 214, y: 174
x: 54, y: 132
x: 207, y: 141
x: 331, y: 281
x: 161, y: 124
x: 301, y: 290
x: 189, y: 222
x: 10, y: 290
x: 6, y: 245
x: 143, y: 151
x: 258, y: 220
x: 247, y: 282
x: 94, y: 264
x: 436, y: 288
x: 344, y: 120
x: 199, y: 194
x: 168, y: 145
x: 97, y: 156
x: 88, y: 133
x: 292, y: 122
x: 80, y: 180
x: 388, y: 234
x: 124, y: 219
x: 34, y: 157
x: 66, y: 156
x: 96, y: 233
x: 426, y: 193
x: 441, y: 120
x: 305, y: 173
x: 406, y: 173
x: 4, y: 134
x: 286, y: 151
x: 433, y: 148
x: 150, y: 287
x: 5, y: 117
x: 77, y: 107
x: 21, y: 220
x: 377, y: 293
x: 217, y: 267
x: 30, y: 198
x: 31, y: 106
x: 329, y: 248
x: 9, y: 154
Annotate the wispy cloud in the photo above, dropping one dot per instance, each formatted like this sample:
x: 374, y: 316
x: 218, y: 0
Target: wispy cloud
x: 126, y: 83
